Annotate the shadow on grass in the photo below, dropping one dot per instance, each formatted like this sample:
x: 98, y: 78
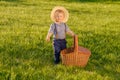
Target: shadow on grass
x: 91, y: 0
x: 41, y: 56
x: 105, y: 53
x: 18, y: 2
x: 12, y: 0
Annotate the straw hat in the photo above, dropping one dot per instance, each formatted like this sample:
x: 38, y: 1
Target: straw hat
x: 59, y: 8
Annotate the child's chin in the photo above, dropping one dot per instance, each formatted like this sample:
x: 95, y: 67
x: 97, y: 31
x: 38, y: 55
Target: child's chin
x: 60, y: 21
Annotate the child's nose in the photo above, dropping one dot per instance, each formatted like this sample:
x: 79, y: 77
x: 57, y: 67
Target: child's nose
x: 59, y: 16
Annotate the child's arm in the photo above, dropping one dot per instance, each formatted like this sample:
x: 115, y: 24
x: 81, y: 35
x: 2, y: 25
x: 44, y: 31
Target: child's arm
x: 71, y: 33
x: 68, y: 31
x: 50, y: 32
x: 48, y: 36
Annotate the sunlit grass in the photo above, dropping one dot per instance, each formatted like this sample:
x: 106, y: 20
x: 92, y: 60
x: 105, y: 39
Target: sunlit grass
x: 25, y: 55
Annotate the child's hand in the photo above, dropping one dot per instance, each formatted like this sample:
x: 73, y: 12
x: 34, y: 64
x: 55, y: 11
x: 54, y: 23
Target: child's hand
x: 47, y: 39
x: 72, y: 34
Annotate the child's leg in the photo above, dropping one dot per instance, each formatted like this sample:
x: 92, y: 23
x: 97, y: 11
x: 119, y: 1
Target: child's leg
x: 57, y: 50
x: 63, y: 44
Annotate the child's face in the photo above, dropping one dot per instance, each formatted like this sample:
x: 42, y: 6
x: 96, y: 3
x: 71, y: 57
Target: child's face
x: 59, y: 17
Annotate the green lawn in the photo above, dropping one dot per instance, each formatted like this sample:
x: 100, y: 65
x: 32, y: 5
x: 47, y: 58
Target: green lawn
x: 25, y: 55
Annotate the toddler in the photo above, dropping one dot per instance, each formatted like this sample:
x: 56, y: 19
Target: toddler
x: 58, y: 29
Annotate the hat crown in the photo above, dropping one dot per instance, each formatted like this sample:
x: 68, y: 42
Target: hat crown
x: 59, y: 8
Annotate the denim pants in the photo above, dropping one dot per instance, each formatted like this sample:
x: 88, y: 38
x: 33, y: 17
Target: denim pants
x: 58, y: 44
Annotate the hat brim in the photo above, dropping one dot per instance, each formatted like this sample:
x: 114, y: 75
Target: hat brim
x: 59, y: 8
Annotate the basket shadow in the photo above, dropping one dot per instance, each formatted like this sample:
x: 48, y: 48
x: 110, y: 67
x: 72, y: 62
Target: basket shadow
x: 101, y: 48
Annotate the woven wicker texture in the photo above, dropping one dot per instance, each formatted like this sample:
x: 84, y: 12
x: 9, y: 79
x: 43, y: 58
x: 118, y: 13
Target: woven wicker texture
x: 75, y: 56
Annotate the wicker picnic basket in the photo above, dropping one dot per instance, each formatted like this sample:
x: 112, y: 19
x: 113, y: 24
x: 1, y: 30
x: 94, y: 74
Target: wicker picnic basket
x: 75, y: 56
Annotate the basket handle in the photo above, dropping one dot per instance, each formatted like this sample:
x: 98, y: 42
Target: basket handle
x: 76, y: 44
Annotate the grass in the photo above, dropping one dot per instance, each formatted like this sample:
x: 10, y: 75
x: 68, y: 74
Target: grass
x: 25, y: 55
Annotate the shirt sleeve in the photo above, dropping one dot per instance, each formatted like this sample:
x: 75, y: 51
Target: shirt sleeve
x: 51, y: 30
x: 67, y: 28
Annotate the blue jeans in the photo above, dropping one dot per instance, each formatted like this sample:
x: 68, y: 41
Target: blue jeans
x: 59, y: 44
